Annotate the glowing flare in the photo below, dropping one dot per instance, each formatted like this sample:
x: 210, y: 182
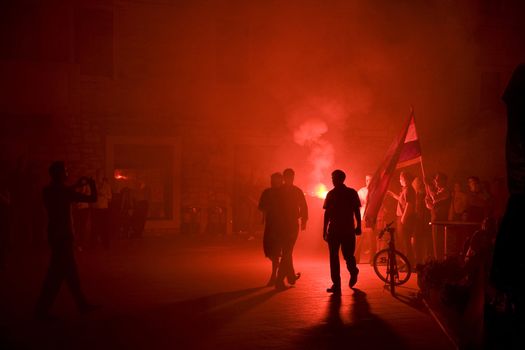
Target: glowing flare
x: 119, y: 175
x: 320, y: 191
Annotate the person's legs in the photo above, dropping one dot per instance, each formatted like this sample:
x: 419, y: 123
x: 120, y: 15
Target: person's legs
x: 438, y: 235
x: 348, y: 248
x: 409, y: 228
x: 72, y: 278
x: 285, y: 265
x: 359, y: 248
x: 404, y: 235
x: 291, y: 275
x: 53, y: 280
x: 424, y: 242
x: 275, y: 266
x: 335, y: 269
x: 81, y: 220
x: 400, y: 239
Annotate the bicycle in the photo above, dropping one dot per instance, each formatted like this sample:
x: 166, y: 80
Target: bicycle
x: 390, y: 265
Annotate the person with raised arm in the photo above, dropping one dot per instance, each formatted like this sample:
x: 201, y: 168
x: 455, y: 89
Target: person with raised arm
x: 58, y: 198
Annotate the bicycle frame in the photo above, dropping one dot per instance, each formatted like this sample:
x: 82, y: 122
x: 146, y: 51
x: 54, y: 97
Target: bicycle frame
x: 392, y: 265
x: 392, y: 271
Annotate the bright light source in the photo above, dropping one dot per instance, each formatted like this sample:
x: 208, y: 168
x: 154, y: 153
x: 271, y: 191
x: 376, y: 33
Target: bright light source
x: 119, y: 176
x: 320, y: 191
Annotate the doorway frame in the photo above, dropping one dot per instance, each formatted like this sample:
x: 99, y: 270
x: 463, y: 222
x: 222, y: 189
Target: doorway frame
x: 169, y: 225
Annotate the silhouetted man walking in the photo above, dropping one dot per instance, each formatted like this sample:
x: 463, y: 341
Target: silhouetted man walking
x: 341, y: 206
x: 58, y: 199
x: 270, y: 204
x: 294, y: 208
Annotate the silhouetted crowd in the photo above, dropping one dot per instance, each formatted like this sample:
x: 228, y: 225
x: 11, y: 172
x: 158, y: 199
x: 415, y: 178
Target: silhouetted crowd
x: 435, y: 219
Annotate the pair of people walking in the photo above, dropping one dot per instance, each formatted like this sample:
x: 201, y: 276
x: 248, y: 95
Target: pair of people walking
x: 283, y: 204
x: 284, y: 211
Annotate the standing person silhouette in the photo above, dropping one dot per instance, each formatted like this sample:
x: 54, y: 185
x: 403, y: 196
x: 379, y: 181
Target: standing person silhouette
x: 58, y: 199
x: 438, y: 201
x: 341, y: 206
x: 406, y: 214
x: 294, y: 207
x: 270, y: 204
x: 368, y: 237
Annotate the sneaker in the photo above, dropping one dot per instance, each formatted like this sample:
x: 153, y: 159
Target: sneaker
x: 353, y: 279
x: 295, y: 278
x: 279, y: 285
x: 334, y: 289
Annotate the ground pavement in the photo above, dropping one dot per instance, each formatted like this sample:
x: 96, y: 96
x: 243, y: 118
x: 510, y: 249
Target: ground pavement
x: 173, y: 293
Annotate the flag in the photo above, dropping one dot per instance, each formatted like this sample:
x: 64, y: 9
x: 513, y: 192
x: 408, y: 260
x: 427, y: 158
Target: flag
x: 404, y: 150
x: 411, y: 150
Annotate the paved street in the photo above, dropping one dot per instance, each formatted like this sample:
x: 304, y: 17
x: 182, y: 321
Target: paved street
x: 162, y: 292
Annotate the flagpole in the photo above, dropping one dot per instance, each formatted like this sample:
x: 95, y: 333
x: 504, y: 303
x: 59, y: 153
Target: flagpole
x: 383, y: 175
x: 421, y: 156
x: 427, y: 187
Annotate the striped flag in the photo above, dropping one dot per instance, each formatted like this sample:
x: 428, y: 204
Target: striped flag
x: 404, y: 150
x: 411, y: 150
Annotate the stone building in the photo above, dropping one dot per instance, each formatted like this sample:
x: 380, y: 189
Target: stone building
x: 192, y: 97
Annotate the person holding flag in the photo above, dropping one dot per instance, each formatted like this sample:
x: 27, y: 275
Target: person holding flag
x: 404, y: 151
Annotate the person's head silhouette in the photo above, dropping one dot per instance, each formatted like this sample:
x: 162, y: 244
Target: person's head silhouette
x: 58, y: 172
x: 276, y: 180
x: 289, y: 176
x: 338, y: 177
x: 405, y: 178
x: 368, y: 179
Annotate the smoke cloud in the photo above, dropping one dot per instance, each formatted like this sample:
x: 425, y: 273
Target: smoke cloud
x: 311, y: 134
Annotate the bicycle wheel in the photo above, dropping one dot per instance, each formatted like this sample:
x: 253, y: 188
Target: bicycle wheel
x: 401, y: 268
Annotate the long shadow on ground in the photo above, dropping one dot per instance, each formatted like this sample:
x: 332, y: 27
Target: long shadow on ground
x: 364, y: 331
x: 189, y: 324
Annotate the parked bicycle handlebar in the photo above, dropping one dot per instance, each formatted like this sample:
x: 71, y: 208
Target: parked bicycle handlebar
x: 388, y: 228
